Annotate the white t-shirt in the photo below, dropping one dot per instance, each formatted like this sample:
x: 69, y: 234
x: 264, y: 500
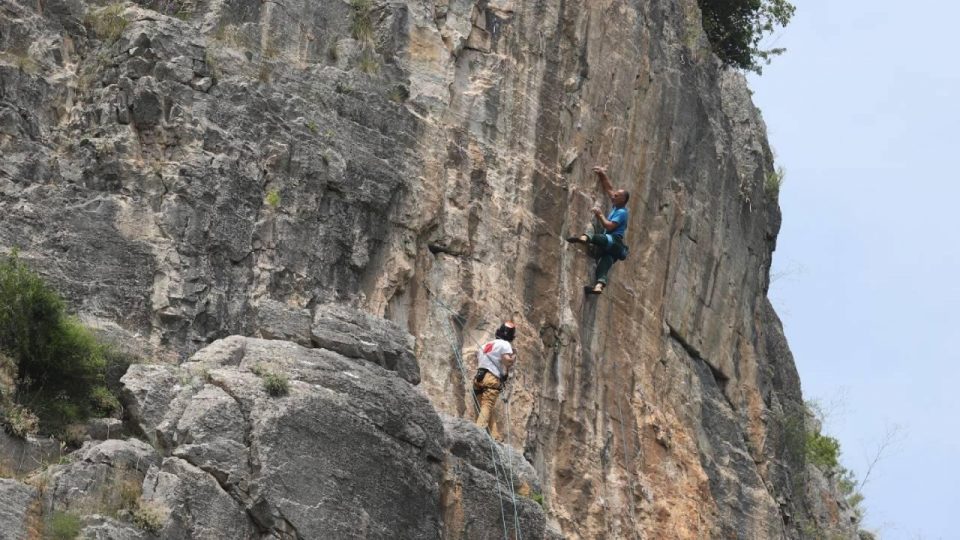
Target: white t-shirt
x: 488, y: 357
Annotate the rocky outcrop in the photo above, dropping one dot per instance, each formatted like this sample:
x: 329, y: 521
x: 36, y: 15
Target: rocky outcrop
x: 351, y: 450
x: 489, y: 490
x: 15, y: 502
x: 22, y: 456
x: 241, y: 167
x: 102, y: 478
x: 344, y: 449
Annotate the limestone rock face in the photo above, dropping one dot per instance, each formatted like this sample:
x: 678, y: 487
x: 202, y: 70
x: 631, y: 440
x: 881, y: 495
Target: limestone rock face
x: 489, y: 490
x: 243, y: 166
x: 15, y: 501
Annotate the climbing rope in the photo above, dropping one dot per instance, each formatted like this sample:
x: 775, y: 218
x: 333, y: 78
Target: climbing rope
x: 516, y: 518
x: 508, y: 470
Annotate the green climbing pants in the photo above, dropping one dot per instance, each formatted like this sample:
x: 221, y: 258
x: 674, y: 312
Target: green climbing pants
x: 607, y: 252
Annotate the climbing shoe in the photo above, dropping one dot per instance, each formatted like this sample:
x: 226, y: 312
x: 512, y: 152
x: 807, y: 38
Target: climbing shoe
x: 582, y: 239
x: 597, y: 289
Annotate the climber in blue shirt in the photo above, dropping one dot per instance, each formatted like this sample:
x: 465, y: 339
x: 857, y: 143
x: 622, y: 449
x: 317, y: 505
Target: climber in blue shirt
x: 609, y: 243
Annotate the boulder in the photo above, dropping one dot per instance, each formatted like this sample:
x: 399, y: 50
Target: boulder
x: 350, y: 450
x: 101, y: 478
x: 355, y: 334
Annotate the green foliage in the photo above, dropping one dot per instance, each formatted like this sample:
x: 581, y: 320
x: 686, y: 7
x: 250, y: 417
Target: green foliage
x: 60, y: 364
x: 103, y: 401
x: 361, y: 23
x: 107, y: 23
x: 18, y: 420
x: 130, y: 495
x: 62, y: 526
x: 849, y: 489
x: 823, y: 450
x: 537, y: 498
x: 774, y: 181
x: 368, y: 62
x: 312, y: 126
x: 736, y: 28
x: 276, y: 384
x: 149, y: 517
x: 273, y: 198
x: 361, y: 28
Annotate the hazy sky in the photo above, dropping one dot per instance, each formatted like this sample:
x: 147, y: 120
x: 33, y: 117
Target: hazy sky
x: 863, y: 112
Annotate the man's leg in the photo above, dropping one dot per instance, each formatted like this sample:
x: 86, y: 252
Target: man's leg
x: 494, y: 429
x: 605, y: 259
x: 599, y: 240
x: 603, y: 268
x: 491, y: 391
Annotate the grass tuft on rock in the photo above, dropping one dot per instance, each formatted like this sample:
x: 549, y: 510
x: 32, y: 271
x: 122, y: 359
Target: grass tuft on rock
x: 276, y: 384
x: 107, y: 23
x: 62, y: 526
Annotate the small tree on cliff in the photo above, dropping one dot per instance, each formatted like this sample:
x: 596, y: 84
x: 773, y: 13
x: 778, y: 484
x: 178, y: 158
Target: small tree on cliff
x: 736, y: 27
x: 56, y: 365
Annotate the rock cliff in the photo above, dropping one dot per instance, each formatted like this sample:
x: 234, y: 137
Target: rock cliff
x: 189, y: 170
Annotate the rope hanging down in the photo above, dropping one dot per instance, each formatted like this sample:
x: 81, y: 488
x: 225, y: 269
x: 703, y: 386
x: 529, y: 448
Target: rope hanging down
x: 508, y: 469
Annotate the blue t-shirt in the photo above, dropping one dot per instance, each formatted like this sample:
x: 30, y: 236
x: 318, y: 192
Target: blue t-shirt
x: 619, y: 216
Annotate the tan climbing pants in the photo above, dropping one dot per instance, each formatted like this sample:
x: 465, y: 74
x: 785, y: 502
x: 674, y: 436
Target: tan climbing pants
x: 488, y: 398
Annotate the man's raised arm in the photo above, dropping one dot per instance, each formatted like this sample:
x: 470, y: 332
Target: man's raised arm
x: 601, y: 171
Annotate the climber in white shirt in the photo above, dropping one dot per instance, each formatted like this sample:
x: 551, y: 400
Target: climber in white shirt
x: 494, y: 360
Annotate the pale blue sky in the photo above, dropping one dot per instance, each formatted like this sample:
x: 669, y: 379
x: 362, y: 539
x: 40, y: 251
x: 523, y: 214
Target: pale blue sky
x: 863, y: 114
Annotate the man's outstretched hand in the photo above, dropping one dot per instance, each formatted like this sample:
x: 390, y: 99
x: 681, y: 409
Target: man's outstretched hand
x: 600, y: 169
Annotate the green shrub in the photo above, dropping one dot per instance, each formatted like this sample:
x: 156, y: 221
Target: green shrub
x: 849, y: 488
x: 62, y: 526
x: 823, y: 450
x: 103, y: 401
x: 368, y: 62
x: 361, y: 24
x: 18, y: 420
x: 149, y: 517
x: 273, y: 198
x: 736, y: 28
x: 276, y: 384
x: 774, y: 181
x: 60, y: 364
x: 108, y: 23
x: 537, y: 498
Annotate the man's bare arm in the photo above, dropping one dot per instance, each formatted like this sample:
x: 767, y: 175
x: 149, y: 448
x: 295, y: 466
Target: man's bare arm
x: 601, y: 171
x: 607, y: 224
x: 506, y: 362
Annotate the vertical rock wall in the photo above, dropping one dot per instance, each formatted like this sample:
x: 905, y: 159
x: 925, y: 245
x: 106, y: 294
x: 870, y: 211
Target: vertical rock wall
x: 179, y: 168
